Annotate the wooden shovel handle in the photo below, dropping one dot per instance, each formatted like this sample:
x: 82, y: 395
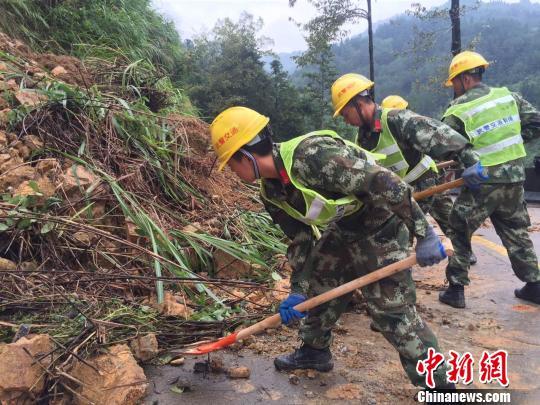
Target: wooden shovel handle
x: 448, y: 163
x: 274, y: 320
x: 428, y: 192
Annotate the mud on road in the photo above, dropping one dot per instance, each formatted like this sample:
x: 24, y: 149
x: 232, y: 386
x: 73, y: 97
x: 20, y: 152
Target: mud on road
x: 367, y: 369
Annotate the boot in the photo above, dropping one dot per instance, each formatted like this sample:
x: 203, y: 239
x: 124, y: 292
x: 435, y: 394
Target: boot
x: 473, y: 259
x: 453, y: 296
x: 306, y: 357
x: 529, y: 292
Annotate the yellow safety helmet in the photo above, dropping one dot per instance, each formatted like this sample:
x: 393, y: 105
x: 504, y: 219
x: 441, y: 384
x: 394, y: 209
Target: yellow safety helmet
x: 346, y: 87
x: 234, y: 128
x: 394, y: 101
x: 462, y: 62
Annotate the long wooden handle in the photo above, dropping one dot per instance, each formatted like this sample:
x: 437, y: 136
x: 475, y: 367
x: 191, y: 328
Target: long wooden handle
x: 444, y: 165
x: 428, y: 192
x: 274, y: 320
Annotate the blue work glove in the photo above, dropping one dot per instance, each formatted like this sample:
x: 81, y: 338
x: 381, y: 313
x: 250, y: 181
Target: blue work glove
x: 429, y: 250
x: 286, y: 310
x: 474, y: 175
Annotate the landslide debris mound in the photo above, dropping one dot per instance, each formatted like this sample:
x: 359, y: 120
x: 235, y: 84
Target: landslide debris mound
x: 110, y: 218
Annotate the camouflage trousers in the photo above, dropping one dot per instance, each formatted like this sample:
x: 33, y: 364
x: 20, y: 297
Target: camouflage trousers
x: 341, y: 256
x: 438, y: 206
x: 505, y: 206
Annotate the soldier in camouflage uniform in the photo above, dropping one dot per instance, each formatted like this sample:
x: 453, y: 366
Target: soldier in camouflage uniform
x: 497, y: 121
x: 416, y: 137
x: 321, y: 179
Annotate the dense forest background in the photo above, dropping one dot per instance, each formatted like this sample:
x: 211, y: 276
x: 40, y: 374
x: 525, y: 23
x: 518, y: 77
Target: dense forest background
x: 233, y: 65
x: 415, y: 66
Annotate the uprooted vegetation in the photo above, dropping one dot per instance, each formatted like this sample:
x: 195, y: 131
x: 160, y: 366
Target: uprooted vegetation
x: 112, y: 224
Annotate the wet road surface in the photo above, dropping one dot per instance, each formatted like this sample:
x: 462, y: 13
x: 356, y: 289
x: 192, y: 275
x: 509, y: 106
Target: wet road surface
x: 367, y: 365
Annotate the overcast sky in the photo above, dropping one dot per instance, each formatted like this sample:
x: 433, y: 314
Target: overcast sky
x: 195, y: 16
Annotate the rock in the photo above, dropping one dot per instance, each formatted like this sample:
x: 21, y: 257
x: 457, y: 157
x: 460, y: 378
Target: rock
x: 76, y: 180
x: 9, y: 85
x: 120, y: 380
x: 3, y: 67
x: 47, y: 165
x: 4, y: 116
x: 239, y: 372
x: 243, y: 387
x: 191, y: 228
x: 29, y: 266
x: 84, y: 238
x: 343, y: 392
x: 293, y: 379
x: 471, y: 327
x: 44, y: 187
x: 177, y: 362
x: 7, y: 265
x: 311, y: 374
x: 131, y: 231
x: 229, y: 267
x: 33, y: 142
x: 21, y: 378
x: 58, y: 71
x: 3, y: 103
x: 4, y: 158
x: 171, y: 307
x: 40, y: 75
x: 17, y: 175
x: 3, y: 139
x: 216, y: 364
x: 29, y: 98
x: 273, y: 395
x: 13, y: 161
x: 23, y: 150
x: 310, y: 394
x: 145, y: 347
x: 32, y: 70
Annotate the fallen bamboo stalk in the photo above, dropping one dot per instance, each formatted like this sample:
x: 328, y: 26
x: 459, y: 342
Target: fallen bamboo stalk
x: 274, y: 320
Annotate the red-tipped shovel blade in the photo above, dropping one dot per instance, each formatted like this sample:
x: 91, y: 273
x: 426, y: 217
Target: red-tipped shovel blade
x: 212, y: 346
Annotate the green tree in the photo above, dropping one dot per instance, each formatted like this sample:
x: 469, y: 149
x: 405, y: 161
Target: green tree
x: 229, y: 68
x: 289, y: 105
x: 319, y: 72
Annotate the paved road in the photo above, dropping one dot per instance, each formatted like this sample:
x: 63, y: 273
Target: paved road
x: 494, y: 319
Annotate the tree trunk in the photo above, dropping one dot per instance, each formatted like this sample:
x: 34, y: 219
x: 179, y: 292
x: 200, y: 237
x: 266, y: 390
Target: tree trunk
x: 456, y: 27
x: 370, y: 39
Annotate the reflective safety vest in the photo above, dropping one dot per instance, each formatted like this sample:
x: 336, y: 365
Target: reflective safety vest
x: 395, y: 161
x: 319, y: 209
x: 493, y: 126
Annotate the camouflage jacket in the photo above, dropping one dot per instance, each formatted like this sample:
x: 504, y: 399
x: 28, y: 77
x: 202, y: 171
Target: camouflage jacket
x: 509, y: 172
x: 334, y: 169
x: 417, y: 135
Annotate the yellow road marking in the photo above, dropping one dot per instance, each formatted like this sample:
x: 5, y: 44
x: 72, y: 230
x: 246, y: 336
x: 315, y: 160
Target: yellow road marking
x: 490, y: 245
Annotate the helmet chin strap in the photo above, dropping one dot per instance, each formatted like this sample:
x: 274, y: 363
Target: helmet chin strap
x: 253, y: 162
